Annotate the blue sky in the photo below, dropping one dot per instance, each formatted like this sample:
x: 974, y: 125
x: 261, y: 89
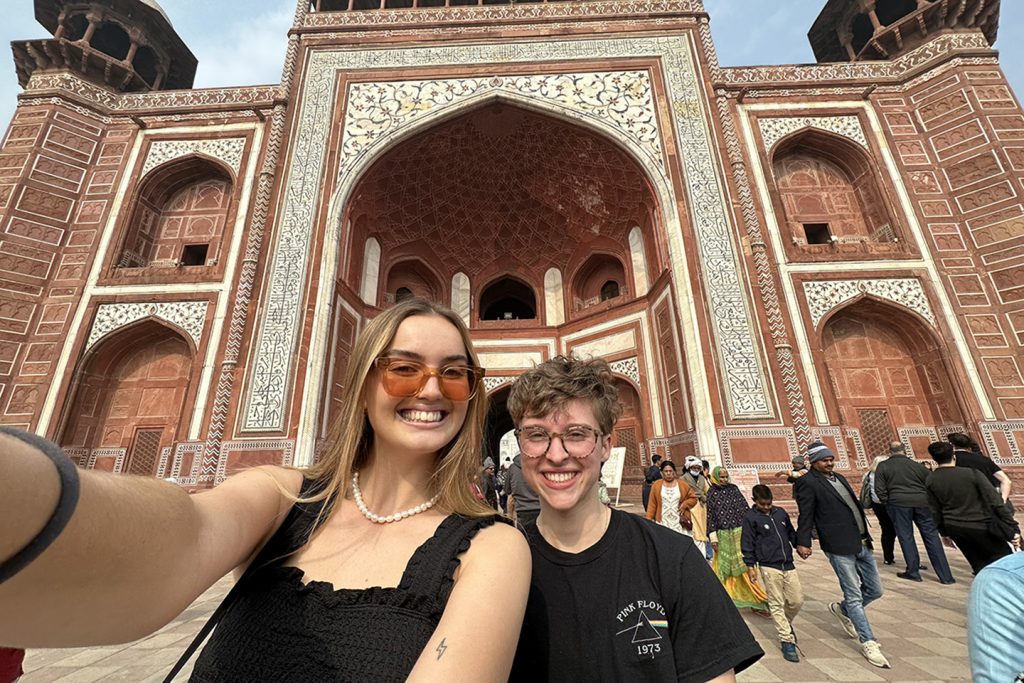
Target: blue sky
x: 241, y: 42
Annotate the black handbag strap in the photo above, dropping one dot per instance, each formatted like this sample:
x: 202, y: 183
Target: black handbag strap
x: 211, y: 623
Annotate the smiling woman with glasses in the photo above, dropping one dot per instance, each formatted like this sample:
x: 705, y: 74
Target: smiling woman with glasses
x: 370, y: 565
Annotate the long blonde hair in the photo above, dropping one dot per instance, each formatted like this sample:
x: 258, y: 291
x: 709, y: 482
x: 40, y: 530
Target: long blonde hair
x: 351, y: 435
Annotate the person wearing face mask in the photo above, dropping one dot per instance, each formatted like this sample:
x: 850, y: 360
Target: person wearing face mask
x: 727, y: 508
x: 693, y: 476
x: 671, y: 501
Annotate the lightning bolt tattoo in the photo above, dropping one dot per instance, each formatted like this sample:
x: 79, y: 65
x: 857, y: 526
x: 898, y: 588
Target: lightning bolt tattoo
x: 441, y: 648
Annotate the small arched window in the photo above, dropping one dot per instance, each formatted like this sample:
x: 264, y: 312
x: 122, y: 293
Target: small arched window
x: 508, y: 299
x: 75, y: 27
x: 609, y: 290
x: 403, y: 293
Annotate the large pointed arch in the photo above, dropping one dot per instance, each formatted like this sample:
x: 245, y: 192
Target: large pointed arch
x: 663, y: 218
x: 830, y: 190
x: 891, y: 377
x: 131, y: 394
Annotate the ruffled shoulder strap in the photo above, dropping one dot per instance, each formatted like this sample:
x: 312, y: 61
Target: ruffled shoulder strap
x: 431, y: 570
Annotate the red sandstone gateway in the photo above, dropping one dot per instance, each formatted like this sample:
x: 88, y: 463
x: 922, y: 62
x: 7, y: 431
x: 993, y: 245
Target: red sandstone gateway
x: 765, y: 255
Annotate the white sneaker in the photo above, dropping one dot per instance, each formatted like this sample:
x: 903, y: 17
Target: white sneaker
x: 836, y: 608
x: 873, y: 653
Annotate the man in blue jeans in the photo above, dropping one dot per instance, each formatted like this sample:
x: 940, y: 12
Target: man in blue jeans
x: 827, y: 502
x: 899, y: 485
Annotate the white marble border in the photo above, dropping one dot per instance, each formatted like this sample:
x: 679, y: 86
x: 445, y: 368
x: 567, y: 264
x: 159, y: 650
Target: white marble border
x: 744, y: 376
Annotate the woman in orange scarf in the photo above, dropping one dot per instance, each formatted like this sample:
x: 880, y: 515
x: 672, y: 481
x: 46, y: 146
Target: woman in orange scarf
x: 671, y: 501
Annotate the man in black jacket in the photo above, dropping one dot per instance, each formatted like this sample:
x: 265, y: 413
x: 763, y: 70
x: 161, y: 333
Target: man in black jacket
x: 900, y: 486
x: 827, y: 502
x: 963, y: 504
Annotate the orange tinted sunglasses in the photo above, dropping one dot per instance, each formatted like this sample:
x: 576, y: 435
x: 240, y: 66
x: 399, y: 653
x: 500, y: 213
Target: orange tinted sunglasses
x: 404, y: 378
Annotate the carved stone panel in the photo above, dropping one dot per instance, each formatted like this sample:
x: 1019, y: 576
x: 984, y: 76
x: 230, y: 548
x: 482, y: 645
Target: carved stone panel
x: 190, y: 316
x: 776, y: 128
x: 228, y: 150
x: 826, y: 295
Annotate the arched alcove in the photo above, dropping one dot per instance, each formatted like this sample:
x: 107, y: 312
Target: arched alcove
x: 830, y: 192
x: 129, y: 397
x: 146, y: 64
x: 501, y: 189
x: 600, y: 278
x: 629, y: 433
x: 180, y: 216
x: 410, y: 278
x: 888, y: 371
x: 499, y: 423
x: 508, y: 298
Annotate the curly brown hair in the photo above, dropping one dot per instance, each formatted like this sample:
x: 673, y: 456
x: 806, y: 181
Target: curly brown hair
x: 550, y: 386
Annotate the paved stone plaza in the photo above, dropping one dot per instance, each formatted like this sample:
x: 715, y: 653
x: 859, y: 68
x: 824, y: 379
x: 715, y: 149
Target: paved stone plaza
x: 921, y: 626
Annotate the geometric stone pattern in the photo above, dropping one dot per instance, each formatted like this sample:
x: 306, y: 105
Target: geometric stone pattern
x: 279, y: 328
x: 958, y: 141
x: 492, y: 383
x: 228, y: 150
x: 189, y: 316
x: 774, y: 129
x: 622, y: 98
x: 510, y: 189
x: 773, y: 460
x: 627, y: 367
x: 871, y: 71
x: 825, y: 295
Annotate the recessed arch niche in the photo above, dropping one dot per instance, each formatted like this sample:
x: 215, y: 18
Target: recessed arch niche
x: 888, y: 371
x: 180, y: 216
x: 129, y: 397
x: 830, y: 191
x: 501, y: 189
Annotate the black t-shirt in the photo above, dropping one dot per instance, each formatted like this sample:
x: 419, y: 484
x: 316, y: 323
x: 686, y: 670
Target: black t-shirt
x: 641, y: 604
x: 977, y: 461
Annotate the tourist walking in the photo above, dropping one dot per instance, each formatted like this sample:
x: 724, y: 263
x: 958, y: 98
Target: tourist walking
x: 827, y: 502
x: 869, y: 499
x: 671, y: 501
x: 768, y: 542
x: 489, y: 484
x: 651, y: 475
x: 727, y: 508
x: 900, y: 486
x: 694, y: 477
x: 358, y: 579
x: 966, y: 509
x: 523, y: 503
x: 968, y: 454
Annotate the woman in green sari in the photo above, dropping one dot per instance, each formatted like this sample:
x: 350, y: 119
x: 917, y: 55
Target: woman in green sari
x: 726, y: 510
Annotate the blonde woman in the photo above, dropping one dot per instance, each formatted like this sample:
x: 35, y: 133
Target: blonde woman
x: 371, y: 565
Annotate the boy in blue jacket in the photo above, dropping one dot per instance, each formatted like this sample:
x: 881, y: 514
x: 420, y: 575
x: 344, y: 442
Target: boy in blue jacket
x: 768, y: 541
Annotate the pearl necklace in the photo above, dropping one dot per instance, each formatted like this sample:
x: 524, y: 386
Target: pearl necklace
x: 357, y: 495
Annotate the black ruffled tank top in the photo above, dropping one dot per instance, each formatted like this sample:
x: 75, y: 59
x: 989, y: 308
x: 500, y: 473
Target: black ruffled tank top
x: 279, y: 629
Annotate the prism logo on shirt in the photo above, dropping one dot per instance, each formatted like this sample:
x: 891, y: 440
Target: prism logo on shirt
x: 642, y: 625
